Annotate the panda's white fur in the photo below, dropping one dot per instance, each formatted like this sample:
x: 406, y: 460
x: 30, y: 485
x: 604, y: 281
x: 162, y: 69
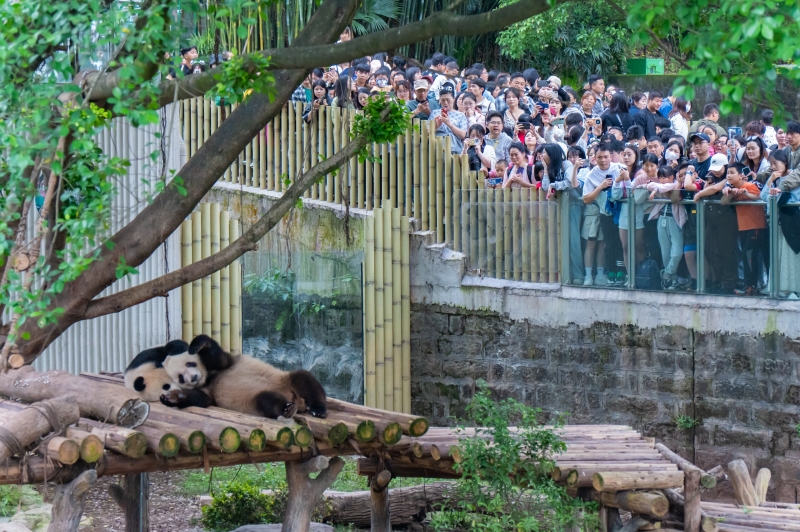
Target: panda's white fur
x: 146, y: 375
x: 185, y: 369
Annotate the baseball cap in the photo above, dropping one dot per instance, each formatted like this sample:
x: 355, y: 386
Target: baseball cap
x: 718, y: 162
x: 421, y: 84
x: 701, y: 136
x: 447, y: 88
x: 554, y: 80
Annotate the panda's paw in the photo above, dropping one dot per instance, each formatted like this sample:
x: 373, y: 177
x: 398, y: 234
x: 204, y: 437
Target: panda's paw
x: 173, y: 398
x: 320, y: 413
x: 289, y: 410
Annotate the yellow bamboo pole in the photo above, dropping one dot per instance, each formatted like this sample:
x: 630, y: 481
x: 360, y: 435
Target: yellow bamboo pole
x: 187, y: 124
x: 426, y: 168
x: 292, y: 144
x: 542, y: 236
x: 380, y: 351
x: 271, y: 155
x: 524, y: 209
x: 236, y: 296
x: 283, y: 148
x: 369, y: 310
x: 205, y: 246
x: 486, y: 197
x: 329, y: 113
x: 193, y: 126
x: 385, y: 176
x: 224, y: 285
x: 499, y: 252
x: 405, y: 313
x: 407, y: 173
x: 197, y: 284
x: 262, y: 160
x: 397, y: 309
x: 393, y: 155
x: 456, y: 194
x: 478, y: 224
x: 508, y: 223
x: 215, y: 277
x: 552, y: 242
x: 534, y: 215
x: 441, y: 152
x: 368, y: 170
x: 207, y: 119
x: 298, y: 137
x: 376, y: 178
x: 186, y: 290
x: 337, y: 146
x: 237, y: 164
x: 362, y: 184
x: 419, y: 158
x: 200, y: 121
x: 447, y: 178
x: 317, y: 141
x: 516, y: 233
x: 247, y: 179
x: 214, y: 123
x: 388, y: 294
x: 356, y: 185
x: 228, y: 171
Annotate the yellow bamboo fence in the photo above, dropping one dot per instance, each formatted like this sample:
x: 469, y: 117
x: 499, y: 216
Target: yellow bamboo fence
x: 506, y: 234
x: 212, y: 305
x: 387, y: 311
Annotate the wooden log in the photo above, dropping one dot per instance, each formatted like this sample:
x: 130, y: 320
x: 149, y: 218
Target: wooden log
x: 640, y: 502
x: 30, y: 423
x: 581, y: 476
x: 743, y: 488
x: 426, y: 450
x: 762, y: 484
x: 380, y: 515
x: 220, y: 435
x: 68, y: 503
x: 364, y: 428
x: 133, y: 498
x: 718, y: 473
x: 124, y: 441
x: 335, y: 432
x: 412, y: 425
x: 627, y: 480
x: 91, y: 445
x: 692, y: 515
x: 277, y: 433
x: 304, y: 492
x: 707, y: 481
x: 388, y: 432
x: 63, y: 450
x: 434, y: 469
x: 303, y: 437
x: 192, y: 441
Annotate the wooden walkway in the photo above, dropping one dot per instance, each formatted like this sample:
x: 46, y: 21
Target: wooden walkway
x: 611, y: 464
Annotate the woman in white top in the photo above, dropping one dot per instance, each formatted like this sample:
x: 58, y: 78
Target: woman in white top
x: 680, y: 116
x: 481, y: 155
x: 469, y: 106
x: 519, y: 174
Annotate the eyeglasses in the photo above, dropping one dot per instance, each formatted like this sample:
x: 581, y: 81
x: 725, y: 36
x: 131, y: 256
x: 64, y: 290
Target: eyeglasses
x: 751, y: 137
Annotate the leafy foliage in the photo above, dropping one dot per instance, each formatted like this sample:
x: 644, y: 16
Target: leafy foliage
x: 575, y: 39
x: 505, y: 483
x: 376, y: 129
x: 14, y: 498
x: 686, y: 422
x: 241, y: 75
x: 372, y: 15
x: 738, y: 46
x: 237, y: 504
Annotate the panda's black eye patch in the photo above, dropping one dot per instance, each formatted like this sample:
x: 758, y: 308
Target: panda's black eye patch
x: 191, y: 364
x: 139, y: 384
x: 166, y: 387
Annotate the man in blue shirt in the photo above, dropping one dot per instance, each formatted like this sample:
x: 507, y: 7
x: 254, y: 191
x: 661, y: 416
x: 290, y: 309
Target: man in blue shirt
x: 448, y: 121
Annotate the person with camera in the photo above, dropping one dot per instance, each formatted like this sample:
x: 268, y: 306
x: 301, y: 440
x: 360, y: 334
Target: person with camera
x: 422, y: 106
x: 481, y: 156
x: 496, y: 137
x: 520, y: 173
x: 319, y: 94
x: 448, y: 120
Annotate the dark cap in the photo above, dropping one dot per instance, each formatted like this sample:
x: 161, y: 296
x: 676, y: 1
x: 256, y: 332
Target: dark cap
x: 448, y: 88
x: 701, y: 136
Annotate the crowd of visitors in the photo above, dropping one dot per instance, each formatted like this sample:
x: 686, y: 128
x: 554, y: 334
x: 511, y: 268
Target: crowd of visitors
x: 601, y: 146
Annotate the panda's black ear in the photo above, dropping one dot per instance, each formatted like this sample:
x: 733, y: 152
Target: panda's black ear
x: 139, y: 384
x: 211, y: 354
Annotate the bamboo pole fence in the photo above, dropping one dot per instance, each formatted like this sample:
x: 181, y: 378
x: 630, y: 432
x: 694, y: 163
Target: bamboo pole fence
x: 205, y: 232
x: 506, y: 234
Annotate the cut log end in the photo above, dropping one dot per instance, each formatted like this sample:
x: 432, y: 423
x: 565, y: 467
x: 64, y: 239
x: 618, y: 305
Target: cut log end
x: 572, y: 478
x: 418, y: 427
x: 169, y: 445
x: 416, y: 448
x: 136, y: 445
x: 285, y: 437
x: 392, y: 433
x: 455, y: 454
x: 708, y: 481
x: 16, y: 361
x: 303, y: 437
x: 365, y: 432
x: 257, y: 440
x: 63, y: 450
x: 229, y: 440
x: 338, y: 434
x: 91, y: 449
x: 435, y: 453
x: 196, y: 442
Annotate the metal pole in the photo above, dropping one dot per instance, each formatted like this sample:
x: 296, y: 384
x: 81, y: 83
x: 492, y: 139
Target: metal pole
x: 773, y: 279
x: 631, y: 265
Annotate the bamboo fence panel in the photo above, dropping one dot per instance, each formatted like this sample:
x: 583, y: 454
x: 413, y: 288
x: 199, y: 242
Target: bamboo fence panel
x: 207, y: 231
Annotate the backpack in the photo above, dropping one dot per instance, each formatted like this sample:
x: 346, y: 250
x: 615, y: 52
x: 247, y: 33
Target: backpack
x: 648, y: 276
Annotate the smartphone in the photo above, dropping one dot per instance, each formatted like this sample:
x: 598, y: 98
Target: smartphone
x: 733, y: 131
x: 557, y: 121
x: 494, y: 181
x: 543, y: 106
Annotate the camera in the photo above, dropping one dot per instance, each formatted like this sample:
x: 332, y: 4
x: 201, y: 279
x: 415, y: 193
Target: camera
x: 524, y: 125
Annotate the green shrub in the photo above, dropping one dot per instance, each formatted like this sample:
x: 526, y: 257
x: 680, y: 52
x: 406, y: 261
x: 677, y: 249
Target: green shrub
x: 686, y: 422
x: 506, y: 483
x: 239, y: 503
x: 14, y: 498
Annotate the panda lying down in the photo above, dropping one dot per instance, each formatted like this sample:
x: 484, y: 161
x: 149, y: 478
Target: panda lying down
x: 202, y: 374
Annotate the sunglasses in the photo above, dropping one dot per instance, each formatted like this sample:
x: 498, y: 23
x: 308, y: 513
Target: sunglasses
x: 634, y: 144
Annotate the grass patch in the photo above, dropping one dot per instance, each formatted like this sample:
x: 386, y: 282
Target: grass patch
x: 14, y: 498
x: 267, y: 476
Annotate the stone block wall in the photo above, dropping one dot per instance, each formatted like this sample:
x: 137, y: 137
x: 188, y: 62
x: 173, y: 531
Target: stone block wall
x: 744, y: 389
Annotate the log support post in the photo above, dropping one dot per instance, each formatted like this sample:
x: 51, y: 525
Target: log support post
x: 134, y: 500
x: 381, y: 518
x: 692, y: 513
x: 613, y: 520
x: 69, y: 501
x: 305, y: 492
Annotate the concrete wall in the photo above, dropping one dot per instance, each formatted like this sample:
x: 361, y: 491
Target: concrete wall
x: 609, y: 356
x: 788, y: 93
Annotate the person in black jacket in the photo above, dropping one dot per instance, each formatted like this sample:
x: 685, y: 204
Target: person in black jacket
x: 647, y: 116
x: 617, y: 114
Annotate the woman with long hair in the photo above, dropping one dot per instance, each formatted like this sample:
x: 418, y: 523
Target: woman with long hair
x: 362, y: 98
x: 621, y: 189
x: 587, y: 104
x: 788, y: 264
x: 514, y: 111
x: 519, y: 174
x: 412, y: 75
x: 469, y: 106
x: 673, y: 155
x: 319, y: 93
x: 618, y: 114
x: 480, y: 155
x: 342, y: 93
x: 756, y: 155
x: 680, y: 116
x: 638, y: 102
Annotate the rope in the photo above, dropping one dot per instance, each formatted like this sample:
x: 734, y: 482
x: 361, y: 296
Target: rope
x: 11, y: 441
x: 46, y: 409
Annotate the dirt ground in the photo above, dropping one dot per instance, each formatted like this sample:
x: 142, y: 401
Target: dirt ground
x: 169, y: 512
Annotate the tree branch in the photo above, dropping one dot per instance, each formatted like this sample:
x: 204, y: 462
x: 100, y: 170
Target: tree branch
x: 307, y: 57
x: 247, y: 242
x: 658, y: 40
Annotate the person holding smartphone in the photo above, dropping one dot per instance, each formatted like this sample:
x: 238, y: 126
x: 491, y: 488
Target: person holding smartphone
x: 319, y: 95
x: 480, y: 155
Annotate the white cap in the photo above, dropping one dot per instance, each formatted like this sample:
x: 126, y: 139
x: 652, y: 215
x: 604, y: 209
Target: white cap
x: 718, y: 162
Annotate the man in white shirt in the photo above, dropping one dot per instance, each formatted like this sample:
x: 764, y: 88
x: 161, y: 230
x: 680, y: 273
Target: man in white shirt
x: 477, y: 87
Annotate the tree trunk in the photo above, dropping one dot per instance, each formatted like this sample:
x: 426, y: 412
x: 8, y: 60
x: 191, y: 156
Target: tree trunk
x: 305, y: 492
x: 692, y: 514
x: 762, y: 484
x: 31, y: 423
x: 69, y: 501
x: 743, y: 488
x: 380, y: 514
x: 625, y: 480
x: 134, y: 500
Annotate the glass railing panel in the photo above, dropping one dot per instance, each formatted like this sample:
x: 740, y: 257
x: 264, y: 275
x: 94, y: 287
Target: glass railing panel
x: 784, y: 267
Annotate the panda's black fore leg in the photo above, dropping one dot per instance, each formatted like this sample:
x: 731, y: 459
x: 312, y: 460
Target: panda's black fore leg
x: 274, y: 405
x: 309, y: 388
x: 184, y: 398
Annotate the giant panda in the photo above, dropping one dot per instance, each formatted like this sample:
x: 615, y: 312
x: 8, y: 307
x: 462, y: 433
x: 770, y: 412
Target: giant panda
x: 241, y: 383
x: 146, y: 374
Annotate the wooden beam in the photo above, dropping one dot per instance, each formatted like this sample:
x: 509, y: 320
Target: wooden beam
x: 305, y: 492
x: 380, y: 516
x: 69, y: 501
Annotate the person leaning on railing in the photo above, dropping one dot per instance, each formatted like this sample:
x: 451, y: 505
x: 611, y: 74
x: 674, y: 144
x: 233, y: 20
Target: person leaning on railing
x: 670, y: 221
x: 520, y: 173
x: 480, y: 155
x: 448, y: 120
x: 786, y: 185
x: 319, y: 93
